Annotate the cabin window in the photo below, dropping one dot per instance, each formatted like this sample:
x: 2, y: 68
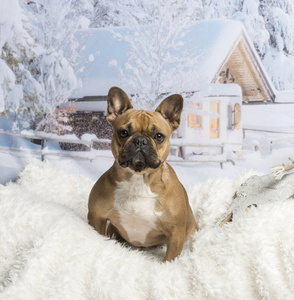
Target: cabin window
x: 194, y: 118
x: 214, y: 120
x: 229, y: 116
x: 237, y: 116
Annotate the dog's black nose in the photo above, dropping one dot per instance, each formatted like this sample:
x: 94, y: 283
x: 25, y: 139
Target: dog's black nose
x: 140, y: 141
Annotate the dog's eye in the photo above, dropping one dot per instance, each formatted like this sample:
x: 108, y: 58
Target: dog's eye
x: 123, y: 133
x: 159, y: 137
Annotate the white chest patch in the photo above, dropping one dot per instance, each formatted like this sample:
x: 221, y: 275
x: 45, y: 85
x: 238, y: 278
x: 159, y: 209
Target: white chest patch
x: 135, y: 203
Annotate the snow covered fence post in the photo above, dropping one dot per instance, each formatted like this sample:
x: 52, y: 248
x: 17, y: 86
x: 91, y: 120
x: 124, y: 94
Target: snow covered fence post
x: 271, y: 146
x: 43, y: 145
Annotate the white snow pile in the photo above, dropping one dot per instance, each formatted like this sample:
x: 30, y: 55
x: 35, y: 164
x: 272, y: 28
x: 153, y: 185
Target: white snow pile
x: 48, y: 251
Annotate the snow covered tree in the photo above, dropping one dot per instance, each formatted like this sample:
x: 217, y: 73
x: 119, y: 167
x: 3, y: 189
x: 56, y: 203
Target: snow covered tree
x: 153, y: 36
x: 101, y: 17
x: 215, y: 9
x: 279, y: 59
x: 9, y: 20
x: 20, y: 90
x: 38, y: 53
x: 56, y: 23
x: 249, y: 15
x: 20, y: 57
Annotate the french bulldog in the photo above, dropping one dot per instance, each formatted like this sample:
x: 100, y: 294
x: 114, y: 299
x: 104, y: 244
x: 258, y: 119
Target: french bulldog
x: 140, y: 199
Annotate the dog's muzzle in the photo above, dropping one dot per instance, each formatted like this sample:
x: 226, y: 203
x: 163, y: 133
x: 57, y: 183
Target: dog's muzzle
x: 139, y: 154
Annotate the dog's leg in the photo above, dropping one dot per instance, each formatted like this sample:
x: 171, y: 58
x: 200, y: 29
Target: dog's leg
x: 97, y: 222
x: 112, y: 232
x: 175, y: 244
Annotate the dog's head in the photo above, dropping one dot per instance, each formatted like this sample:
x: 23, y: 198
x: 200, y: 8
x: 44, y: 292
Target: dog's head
x: 141, y: 138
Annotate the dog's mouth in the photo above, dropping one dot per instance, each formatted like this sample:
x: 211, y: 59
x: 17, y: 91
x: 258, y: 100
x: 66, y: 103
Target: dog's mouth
x: 139, y: 162
x: 139, y: 157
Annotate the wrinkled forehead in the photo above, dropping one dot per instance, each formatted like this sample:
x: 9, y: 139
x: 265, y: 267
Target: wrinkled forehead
x: 142, y: 121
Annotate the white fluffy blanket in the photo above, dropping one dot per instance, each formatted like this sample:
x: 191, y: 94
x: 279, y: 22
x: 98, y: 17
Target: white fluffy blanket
x: 48, y: 251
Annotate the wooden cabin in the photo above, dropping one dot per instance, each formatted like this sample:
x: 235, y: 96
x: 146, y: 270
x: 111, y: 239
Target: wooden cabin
x: 233, y: 71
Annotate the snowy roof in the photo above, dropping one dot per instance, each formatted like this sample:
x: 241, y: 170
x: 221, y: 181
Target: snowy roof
x: 87, y: 106
x: 210, y: 42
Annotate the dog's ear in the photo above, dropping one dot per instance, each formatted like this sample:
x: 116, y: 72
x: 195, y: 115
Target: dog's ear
x: 117, y: 103
x: 171, y: 109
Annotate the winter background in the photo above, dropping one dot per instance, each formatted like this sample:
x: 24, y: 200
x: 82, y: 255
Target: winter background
x: 41, y: 68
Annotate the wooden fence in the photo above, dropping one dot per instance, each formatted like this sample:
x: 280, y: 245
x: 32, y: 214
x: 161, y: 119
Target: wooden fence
x: 272, y: 141
x: 90, y: 155
x: 265, y: 131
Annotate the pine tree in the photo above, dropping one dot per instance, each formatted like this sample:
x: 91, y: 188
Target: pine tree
x: 56, y: 23
x: 279, y: 58
x: 20, y: 91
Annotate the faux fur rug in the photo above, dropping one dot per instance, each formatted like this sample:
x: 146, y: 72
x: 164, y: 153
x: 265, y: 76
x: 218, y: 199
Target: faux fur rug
x: 48, y: 251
